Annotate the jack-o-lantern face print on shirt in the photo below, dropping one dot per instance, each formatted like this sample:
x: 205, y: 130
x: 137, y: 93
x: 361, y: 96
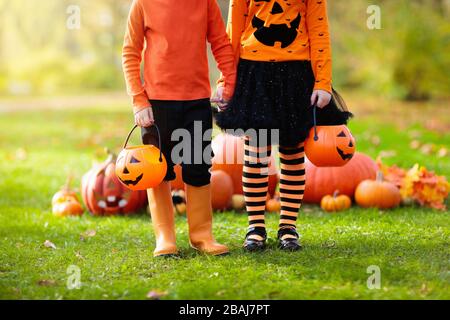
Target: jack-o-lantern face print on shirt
x: 269, y: 33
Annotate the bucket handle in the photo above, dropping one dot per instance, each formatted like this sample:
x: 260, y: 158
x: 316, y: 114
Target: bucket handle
x: 315, y: 122
x: 159, y: 140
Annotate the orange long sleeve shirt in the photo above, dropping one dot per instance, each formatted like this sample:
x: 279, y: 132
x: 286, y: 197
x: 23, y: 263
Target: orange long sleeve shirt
x: 283, y: 30
x: 176, y: 33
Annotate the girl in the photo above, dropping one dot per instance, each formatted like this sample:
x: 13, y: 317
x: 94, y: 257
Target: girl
x: 284, y: 55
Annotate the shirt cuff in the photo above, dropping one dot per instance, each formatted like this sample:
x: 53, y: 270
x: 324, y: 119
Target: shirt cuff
x: 322, y: 85
x: 140, y: 102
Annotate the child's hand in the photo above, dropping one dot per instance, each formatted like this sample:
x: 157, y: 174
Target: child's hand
x: 144, y: 118
x: 321, y: 98
x: 218, y: 99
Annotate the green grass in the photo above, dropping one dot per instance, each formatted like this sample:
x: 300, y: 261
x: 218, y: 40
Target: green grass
x: 409, y: 244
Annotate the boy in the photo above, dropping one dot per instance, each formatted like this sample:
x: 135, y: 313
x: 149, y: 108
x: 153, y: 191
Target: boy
x: 175, y: 94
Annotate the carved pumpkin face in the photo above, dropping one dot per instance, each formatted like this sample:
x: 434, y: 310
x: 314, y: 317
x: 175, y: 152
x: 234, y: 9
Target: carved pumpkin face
x: 112, y: 197
x: 334, y: 147
x: 140, y: 167
x: 277, y: 23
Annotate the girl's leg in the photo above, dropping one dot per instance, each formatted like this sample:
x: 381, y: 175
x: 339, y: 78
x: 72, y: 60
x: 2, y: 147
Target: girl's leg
x: 292, y: 187
x: 255, y: 180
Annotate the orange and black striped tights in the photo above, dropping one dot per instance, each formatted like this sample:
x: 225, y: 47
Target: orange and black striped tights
x: 255, y: 180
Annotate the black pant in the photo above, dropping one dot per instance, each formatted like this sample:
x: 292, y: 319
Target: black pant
x: 191, y: 146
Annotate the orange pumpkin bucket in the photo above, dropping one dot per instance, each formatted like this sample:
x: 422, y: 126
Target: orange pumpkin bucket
x: 141, y: 167
x: 329, y: 146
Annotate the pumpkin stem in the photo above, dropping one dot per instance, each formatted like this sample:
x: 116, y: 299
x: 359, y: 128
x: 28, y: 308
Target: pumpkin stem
x: 380, y: 176
x: 111, y: 155
x: 335, y: 194
x: 69, y: 179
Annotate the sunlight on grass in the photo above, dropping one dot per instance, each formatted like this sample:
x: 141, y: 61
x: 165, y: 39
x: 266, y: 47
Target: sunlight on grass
x: 40, y: 148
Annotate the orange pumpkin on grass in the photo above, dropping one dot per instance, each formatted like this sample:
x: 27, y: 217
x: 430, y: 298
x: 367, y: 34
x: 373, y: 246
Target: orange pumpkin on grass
x: 273, y: 205
x: 321, y: 181
x: 335, y: 202
x: 221, y: 190
x: 229, y: 157
x: 103, y: 193
x: 69, y: 207
x: 65, y: 202
x: 377, y: 193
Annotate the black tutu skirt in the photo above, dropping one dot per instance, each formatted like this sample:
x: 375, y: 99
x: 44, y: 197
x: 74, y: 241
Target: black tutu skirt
x: 277, y: 95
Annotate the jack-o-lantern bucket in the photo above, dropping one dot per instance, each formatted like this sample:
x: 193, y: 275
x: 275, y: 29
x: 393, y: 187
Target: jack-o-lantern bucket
x: 141, y: 167
x: 329, y: 146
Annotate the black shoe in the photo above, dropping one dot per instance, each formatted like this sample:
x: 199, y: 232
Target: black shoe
x: 288, y: 244
x: 253, y: 244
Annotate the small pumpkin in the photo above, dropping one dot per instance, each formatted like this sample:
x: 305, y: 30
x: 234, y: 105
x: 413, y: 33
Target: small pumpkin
x: 273, y: 205
x: 69, y: 207
x: 335, y: 202
x: 221, y: 190
x: 377, y: 193
x: 238, y: 202
x: 64, y: 193
x: 65, y: 202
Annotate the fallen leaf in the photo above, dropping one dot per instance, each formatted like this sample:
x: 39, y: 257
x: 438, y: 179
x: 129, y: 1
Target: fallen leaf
x: 156, y: 295
x: 49, y: 244
x: 78, y: 255
x: 387, y: 153
x: 442, y: 152
x: 46, y: 283
x: 415, y: 144
x: 427, y: 148
x: 87, y: 234
x: 330, y: 243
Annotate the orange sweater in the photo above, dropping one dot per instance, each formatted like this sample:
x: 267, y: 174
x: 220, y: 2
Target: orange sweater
x: 175, y: 57
x: 283, y: 30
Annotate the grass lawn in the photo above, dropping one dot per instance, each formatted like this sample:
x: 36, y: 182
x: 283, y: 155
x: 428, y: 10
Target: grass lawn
x: 39, y: 148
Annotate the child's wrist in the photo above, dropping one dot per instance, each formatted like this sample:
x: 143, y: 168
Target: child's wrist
x: 137, y: 109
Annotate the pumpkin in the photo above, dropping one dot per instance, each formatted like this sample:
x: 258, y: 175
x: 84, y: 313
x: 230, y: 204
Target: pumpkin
x: 335, y: 202
x: 229, y: 157
x: 377, y: 193
x: 321, y: 181
x: 221, y: 190
x: 69, y: 207
x: 238, y: 202
x: 140, y: 167
x: 103, y: 194
x: 330, y: 146
x: 273, y: 205
x: 65, y: 202
x: 64, y: 193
